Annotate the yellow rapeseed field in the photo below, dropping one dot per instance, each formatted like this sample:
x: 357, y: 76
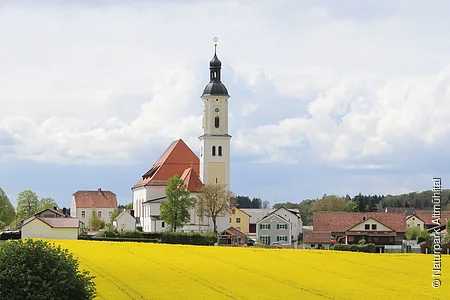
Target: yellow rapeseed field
x: 128, y: 270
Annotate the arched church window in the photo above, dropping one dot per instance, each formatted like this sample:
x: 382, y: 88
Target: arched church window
x: 214, y: 150
x: 220, y: 150
x: 216, y: 122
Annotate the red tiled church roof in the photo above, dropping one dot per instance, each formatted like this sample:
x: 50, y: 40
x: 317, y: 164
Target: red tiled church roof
x: 98, y: 199
x: 191, y: 179
x: 174, y: 161
x: 342, y: 221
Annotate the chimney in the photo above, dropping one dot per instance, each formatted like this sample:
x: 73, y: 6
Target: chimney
x: 99, y: 190
x: 132, y: 212
x: 55, y: 207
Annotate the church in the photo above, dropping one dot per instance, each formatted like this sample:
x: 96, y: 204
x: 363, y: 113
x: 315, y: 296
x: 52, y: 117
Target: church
x: 213, y: 166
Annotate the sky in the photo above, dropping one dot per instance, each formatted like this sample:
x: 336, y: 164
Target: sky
x: 327, y: 97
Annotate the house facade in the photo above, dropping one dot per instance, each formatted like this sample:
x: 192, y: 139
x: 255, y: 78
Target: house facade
x: 50, y: 228
x: 255, y: 214
x: 316, y: 239
x: 212, y: 167
x: 84, y: 202
x: 414, y: 221
x: 293, y: 216
x: 240, y: 220
x: 274, y: 228
x: 125, y: 221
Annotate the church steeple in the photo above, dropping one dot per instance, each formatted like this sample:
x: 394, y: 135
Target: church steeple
x: 215, y: 86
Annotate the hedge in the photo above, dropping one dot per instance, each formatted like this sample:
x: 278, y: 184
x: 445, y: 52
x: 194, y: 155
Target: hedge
x: 369, y: 248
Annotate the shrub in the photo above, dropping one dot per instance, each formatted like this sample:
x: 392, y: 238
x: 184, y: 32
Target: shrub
x: 370, y: 247
x: 130, y: 233
x: 361, y: 241
x: 34, y: 269
x: 188, y: 238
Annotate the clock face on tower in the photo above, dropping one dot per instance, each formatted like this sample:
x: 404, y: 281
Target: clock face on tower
x: 217, y: 110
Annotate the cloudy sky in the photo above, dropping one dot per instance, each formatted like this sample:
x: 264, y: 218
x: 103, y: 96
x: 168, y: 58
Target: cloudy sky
x: 330, y: 97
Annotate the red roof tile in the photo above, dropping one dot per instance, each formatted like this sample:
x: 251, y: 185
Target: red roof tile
x: 341, y: 221
x: 427, y: 216
x: 174, y: 161
x: 191, y: 180
x: 98, y: 199
x: 316, y: 237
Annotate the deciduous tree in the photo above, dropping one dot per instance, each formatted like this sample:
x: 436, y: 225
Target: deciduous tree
x: 7, y: 213
x: 27, y: 204
x: 95, y: 222
x: 330, y: 203
x: 213, y: 201
x: 46, y: 203
x: 175, y: 211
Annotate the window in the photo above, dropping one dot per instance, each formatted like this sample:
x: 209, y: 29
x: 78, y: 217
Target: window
x: 99, y: 213
x: 162, y: 224
x: 230, y: 220
x: 265, y: 239
x: 110, y: 213
x: 264, y: 226
x: 319, y: 246
x: 220, y: 150
x: 201, y: 151
x: 282, y: 238
x: 313, y: 245
x: 233, y: 211
x: 367, y: 227
x: 216, y: 122
x: 83, y: 214
x: 282, y: 226
x: 374, y: 226
x: 418, y: 225
x: 238, y: 220
x: 213, y: 150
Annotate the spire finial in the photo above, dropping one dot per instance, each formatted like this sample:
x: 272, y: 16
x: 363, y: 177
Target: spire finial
x: 215, y: 39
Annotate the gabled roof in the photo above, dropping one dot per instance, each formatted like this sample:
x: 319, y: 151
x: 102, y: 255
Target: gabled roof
x: 273, y: 214
x: 322, y: 237
x: 53, y: 211
x: 293, y: 211
x: 97, y: 199
x: 192, y: 180
x: 366, y: 220
x: 58, y: 222
x: 257, y: 214
x: 338, y: 221
x: 122, y: 214
x: 233, y: 231
x: 174, y: 161
x: 427, y: 216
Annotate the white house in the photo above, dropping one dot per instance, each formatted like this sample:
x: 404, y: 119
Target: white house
x: 213, y: 166
x: 50, y: 228
x: 84, y: 202
x: 124, y: 221
x: 293, y: 216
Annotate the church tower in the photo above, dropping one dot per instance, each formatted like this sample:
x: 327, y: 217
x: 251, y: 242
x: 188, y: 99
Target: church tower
x: 215, y: 141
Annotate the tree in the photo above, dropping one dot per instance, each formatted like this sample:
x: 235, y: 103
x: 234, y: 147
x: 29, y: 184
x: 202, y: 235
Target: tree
x: 95, y: 222
x: 7, y: 213
x: 46, y: 203
x: 175, y: 211
x: 213, y: 201
x: 27, y: 204
x: 412, y: 233
x: 34, y: 269
x: 448, y: 227
x: 359, y: 199
x: 115, y: 213
x: 330, y: 203
x: 266, y: 204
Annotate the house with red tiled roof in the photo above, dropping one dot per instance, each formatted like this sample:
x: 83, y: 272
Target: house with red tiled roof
x: 213, y: 165
x: 84, y: 202
x: 380, y: 228
x: 427, y: 217
x: 316, y: 239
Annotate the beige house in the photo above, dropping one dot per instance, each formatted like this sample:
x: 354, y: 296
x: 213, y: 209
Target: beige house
x: 240, y: 220
x: 50, y: 228
x: 125, y: 221
x: 414, y: 221
x: 84, y: 202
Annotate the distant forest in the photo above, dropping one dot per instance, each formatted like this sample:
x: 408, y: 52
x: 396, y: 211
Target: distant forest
x: 360, y: 202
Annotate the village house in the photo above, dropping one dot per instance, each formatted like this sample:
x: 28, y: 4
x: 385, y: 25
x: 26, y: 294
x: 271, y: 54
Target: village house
x: 212, y: 167
x: 274, y: 228
x: 240, y: 220
x: 125, y: 221
x: 379, y: 228
x: 84, y: 202
x: 51, y: 224
x: 316, y: 239
x: 232, y: 236
x: 255, y: 214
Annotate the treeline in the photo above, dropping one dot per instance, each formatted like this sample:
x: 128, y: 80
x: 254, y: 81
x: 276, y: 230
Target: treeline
x: 369, y: 203
x: 245, y: 202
